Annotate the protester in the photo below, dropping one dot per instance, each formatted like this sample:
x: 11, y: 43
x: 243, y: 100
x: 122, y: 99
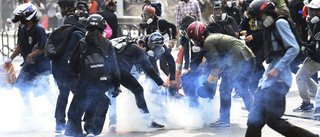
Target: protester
x: 128, y: 55
x: 91, y: 88
x: 232, y: 58
x: 62, y: 73
x: 66, y: 8
x: 187, y: 7
x: 311, y: 64
x: 270, y: 98
x: 109, y: 15
x: 34, y: 75
x: 232, y: 10
x: 253, y: 36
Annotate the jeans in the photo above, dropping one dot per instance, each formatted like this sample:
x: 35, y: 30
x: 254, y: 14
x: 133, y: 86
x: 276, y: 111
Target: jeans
x: 87, y: 96
x: 241, y: 83
x: 304, y: 80
x: 268, y: 108
x: 65, y: 85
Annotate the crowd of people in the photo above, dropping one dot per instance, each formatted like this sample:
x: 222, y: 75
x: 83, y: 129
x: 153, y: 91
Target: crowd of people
x: 222, y: 39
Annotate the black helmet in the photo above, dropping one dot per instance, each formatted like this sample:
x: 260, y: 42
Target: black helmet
x: 186, y: 21
x: 217, y: 5
x: 66, y: 3
x: 258, y: 7
x: 96, y: 20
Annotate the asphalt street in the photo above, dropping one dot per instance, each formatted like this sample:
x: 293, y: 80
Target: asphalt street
x: 180, y: 120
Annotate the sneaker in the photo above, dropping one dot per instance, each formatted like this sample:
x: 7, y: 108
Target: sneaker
x: 220, y: 123
x: 156, y: 125
x: 59, y: 128
x: 317, y: 112
x: 307, y: 107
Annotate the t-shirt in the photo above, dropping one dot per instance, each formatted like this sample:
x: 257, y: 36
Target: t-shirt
x: 30, y: 40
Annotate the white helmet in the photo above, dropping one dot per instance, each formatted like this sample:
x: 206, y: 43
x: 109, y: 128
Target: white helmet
x: 314, y: 4
x: 27, y: 9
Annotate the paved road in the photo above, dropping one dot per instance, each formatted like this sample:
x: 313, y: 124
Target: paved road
x: 180, y: 120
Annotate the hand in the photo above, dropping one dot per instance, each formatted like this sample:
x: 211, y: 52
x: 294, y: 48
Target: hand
x: 273, y: 74
x: 165, y: 84
x: 173, y: 83
x: 244, y: 33
x: 29, y: 59
x: 116, y: 92
x: 8, y: 61
x: 248, y: 38
x: 212, y: 79
x: 172, y: 43
x: 9, y: 21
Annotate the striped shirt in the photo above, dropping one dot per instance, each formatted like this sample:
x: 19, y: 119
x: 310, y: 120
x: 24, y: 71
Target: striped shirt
x: 184, y: 8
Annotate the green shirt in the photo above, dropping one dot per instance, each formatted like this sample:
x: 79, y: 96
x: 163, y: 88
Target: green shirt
x: 224, y: 50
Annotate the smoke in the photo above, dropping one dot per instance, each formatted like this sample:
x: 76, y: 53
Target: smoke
x: 173, y: 113
x: 13, y: 119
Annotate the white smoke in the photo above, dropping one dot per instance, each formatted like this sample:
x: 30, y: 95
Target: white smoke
x: 173, y: 113
x: 12, y: 117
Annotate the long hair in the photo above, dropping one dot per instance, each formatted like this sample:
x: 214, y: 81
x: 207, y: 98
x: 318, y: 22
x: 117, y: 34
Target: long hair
x: 94, y: 36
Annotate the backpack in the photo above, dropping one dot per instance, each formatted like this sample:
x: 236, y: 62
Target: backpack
x: 57, y: 41
x: 91, y: 62
x: 157, y: 6
x: 269, y: 52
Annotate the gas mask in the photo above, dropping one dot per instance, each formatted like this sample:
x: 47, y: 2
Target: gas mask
x: 268, y: 21
x: 220, y: 16
x: 196, y: 49
x: 149, y: 21
x: 315, y: 19
x: 229, y: 4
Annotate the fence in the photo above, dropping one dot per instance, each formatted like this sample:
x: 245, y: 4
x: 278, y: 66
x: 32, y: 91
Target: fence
x: 9, y: 39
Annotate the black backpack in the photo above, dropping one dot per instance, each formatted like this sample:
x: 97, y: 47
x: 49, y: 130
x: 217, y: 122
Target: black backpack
x: 91, y: 62
x: 57, y: 41
x: 269, y: 52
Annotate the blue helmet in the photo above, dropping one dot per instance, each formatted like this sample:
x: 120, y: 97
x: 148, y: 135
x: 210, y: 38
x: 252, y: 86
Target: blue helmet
x: 155, y: 40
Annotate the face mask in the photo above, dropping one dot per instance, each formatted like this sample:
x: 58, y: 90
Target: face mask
x: 150, y: 53
x: 229, y: 4
x: 196, y: 49
x: 217, y: 16
x: 158, y: 51
x: 268, y: 21
x: 149, y: 21
x: 59, y: 15
x: 315, y: 19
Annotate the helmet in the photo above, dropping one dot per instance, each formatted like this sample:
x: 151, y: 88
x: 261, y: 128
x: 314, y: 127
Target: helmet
x: 96, y: 20
x: 27, y: 9
x: 147, y: 1
x: 155, y: 40
x: 217, y: 5
x: 82, y: 6
x: 258, y: 7
x: 186, y: 21
x: 149, y: 9
x: 314, y: 4
x: 66, y: 3
x: 195, y: 30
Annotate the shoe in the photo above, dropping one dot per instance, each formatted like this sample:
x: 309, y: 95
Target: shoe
x: 220, y: 123
x: 317, y: 112
x: 59, y: 128
x: 156, y: 125
x: 113, y: 128
x: 307, y: 107
x: 236, y: 95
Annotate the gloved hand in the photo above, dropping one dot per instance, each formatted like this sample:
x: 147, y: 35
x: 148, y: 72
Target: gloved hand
x: 172, y: 43
x: 212, y: 79
x: 116, y: 92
